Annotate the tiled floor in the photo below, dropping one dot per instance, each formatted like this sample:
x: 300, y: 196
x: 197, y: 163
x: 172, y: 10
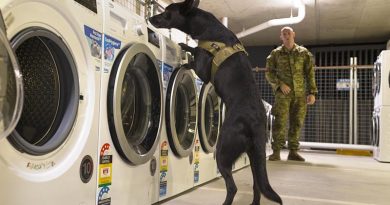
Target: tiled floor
x: 324, y: 179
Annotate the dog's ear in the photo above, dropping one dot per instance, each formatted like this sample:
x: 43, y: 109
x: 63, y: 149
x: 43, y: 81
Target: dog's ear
x: 189, y: 5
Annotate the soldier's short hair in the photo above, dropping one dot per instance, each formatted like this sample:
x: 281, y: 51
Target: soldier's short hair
x: 286, y: 28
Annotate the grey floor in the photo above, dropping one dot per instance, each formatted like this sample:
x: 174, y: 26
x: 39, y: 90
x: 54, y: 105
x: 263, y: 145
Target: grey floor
x: 324, y: 179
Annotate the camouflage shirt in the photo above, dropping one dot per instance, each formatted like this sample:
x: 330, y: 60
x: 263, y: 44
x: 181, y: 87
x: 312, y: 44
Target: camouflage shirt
x: 294, y: 68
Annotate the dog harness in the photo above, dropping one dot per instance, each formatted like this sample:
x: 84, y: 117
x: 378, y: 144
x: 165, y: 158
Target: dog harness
x: 220, y: 52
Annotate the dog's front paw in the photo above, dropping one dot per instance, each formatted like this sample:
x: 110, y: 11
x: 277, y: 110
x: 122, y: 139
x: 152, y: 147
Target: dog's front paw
x: 183, y: 46
x: 187, y: 48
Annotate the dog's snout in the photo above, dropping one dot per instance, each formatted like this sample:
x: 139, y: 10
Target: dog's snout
x: 154, y: 20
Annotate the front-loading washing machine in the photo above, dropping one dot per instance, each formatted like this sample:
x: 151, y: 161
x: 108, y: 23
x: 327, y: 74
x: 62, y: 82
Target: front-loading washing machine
x: 131, y: 109
x: 51, y: 155
x: 381, y: 134
x: 381, y: 81
x: 209, y: 123
x: 179, y: 126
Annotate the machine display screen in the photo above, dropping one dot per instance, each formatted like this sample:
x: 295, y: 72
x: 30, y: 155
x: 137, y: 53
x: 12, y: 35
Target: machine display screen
x: 90, y: 4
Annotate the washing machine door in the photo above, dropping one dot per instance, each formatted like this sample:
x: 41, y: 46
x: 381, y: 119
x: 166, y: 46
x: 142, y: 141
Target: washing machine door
x: 50, y: 91
x: 11, y: 88
x: 378, y: 129
x: 376, y: 79
x: 210, y: 117
x: 134, y: 104
x: 374, y: 129
x: 181, y: 113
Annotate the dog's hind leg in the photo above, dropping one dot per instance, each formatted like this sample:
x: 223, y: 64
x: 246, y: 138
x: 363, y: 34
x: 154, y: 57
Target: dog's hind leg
x: 229, y: 147
x: 225, y: 164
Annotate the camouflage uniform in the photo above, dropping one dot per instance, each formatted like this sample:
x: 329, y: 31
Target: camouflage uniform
x: 295, y: 69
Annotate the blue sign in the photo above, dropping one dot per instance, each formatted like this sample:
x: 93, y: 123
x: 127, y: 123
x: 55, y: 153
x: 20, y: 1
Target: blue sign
x: 110, y: 44
x: 94, y: 39
x: 167, y: 71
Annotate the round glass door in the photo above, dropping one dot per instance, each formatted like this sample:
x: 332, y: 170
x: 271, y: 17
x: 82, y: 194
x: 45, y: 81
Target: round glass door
x: 181, y: 112
x: 378, y: 129
x: 11, y: 87
x: 51, y: 91
x: 376, y: 79
x: 134, y: 104
x: 209, y: 111
x: 374, y: 129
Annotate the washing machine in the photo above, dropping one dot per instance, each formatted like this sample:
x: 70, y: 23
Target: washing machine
x: 381, y: 83
x: 381, y: 134
x: 209, y: 123
x: 51, y: 155
x: 179, y: 127
x: 381, y: 113
x: 131, y: 109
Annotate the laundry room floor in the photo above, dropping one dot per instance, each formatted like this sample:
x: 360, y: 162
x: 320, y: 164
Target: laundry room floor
x: 326, y: 178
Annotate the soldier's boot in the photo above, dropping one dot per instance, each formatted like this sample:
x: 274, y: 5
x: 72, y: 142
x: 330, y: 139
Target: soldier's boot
x: 275, y: 156
x: 293, y: 155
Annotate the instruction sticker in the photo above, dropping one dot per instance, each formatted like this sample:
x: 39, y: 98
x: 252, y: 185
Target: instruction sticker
x: 103, y: 197
x: 110, y: 45
x: 163, y: 168
x: 196, y: 164
x: 105, y: 166
x: 166, y: 72
x: 94, y: 39
x: 111, y: 48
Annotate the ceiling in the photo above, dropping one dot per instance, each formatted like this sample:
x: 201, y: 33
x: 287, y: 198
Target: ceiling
x: 325, y: 22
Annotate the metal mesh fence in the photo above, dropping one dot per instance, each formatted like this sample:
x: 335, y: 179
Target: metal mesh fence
x: 328, y: 120
x: 134, y: 6
x: 365, y: 105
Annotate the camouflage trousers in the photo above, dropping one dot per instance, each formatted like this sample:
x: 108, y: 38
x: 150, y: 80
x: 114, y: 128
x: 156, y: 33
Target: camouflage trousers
x: 287, y: 108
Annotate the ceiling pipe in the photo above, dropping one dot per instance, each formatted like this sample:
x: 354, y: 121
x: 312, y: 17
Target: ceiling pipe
x: 277, y: 22
x: 225, y: 21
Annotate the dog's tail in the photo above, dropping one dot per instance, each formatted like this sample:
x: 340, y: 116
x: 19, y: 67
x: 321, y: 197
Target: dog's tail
x: 259, y: 163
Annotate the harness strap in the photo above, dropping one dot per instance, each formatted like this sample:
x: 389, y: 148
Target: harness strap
x: 220, y: 52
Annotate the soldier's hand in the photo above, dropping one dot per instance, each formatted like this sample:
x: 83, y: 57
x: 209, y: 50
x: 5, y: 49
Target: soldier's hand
x: 285, y: 89
x: 310, y: 99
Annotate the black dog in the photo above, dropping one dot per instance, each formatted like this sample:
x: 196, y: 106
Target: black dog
x: 245, y: 121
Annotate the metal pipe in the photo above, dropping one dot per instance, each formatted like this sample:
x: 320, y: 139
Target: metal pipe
x: 277, y: 22
x: 257, y: 69
x: 351, y: 101
x: 322, y: 145
x: 355, y: 102
x: 225, y: 21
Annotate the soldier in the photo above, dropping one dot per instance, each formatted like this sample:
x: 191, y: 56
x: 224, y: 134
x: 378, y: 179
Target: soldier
x: 291, y: 74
